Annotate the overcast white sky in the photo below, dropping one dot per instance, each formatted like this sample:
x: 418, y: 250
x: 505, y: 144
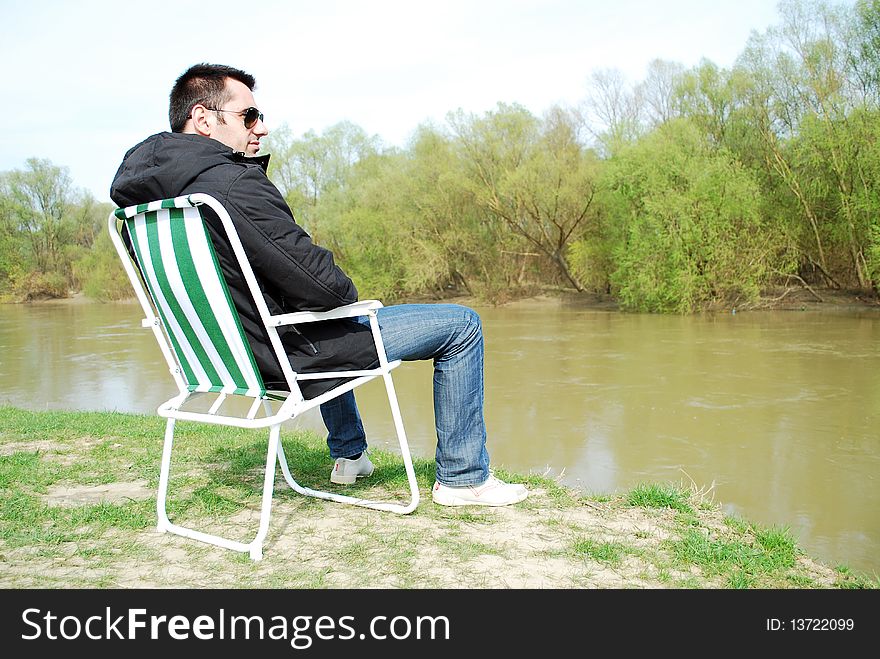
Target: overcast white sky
x: 84, y: 81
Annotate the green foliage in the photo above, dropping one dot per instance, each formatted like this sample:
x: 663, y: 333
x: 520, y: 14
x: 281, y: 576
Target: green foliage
x: 592, y: 261
x: 368, y: 230
x: 603, y: 552
x: 772, y: 552
x: 308, y: 168
x: 24, y: 285
x: 38, y: 201
x: 692, y: 234
x: 865, y: 54
x: 873, y: 256
x: 101, y: 273
x: 535, y: 177
x: 692, y: 189
x: 659, y: 496
x: 47, y: 232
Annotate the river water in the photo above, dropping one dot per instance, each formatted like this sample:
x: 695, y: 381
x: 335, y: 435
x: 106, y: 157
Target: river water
x: 776, y: 414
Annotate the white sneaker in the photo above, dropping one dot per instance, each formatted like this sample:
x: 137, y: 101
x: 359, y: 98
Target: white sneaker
x: 346, y: 472
x: 493, y: 492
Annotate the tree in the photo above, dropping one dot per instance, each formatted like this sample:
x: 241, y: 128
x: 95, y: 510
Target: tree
x: 805, y: 101
x: 769, y: 77
x: 705, y: 95
x: 46, y: 227
x: 306, y: 168
x: 535, y: 176
x: 38, y: 199
x: 864, y: 49
x: 659, y: 91
x: 614, y: 110
x: 692, y: 233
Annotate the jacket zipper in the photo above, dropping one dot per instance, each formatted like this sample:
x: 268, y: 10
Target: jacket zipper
x: 311, y: 345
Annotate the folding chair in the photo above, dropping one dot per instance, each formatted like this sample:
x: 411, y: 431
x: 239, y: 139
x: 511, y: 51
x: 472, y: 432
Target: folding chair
x: 186, y: 303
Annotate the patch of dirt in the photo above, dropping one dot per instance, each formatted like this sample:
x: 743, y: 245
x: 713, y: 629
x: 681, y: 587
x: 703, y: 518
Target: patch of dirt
x: 50, y: 448
x: 85, y: 495
x: 323, y: 544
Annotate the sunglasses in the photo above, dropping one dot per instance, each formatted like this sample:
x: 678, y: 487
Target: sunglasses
x: 250, y: 115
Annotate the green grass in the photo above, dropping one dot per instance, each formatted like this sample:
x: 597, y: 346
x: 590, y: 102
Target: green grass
x: 660, y: 496
x: 603, y: 552
x: 217, y: 474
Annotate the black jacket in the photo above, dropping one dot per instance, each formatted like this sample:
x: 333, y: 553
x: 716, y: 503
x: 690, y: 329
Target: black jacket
x: 294, y: 273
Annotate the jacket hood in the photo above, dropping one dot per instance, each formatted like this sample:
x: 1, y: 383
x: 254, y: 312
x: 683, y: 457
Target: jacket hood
x: 294, y: 274
x: 165, y: 164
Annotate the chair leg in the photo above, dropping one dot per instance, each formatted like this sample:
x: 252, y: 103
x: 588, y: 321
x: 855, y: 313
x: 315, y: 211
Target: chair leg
x: 164, y: 524
x: 367, y: 503
x: 275, y: 451
x: 255, y: 547
x: 404, y: 445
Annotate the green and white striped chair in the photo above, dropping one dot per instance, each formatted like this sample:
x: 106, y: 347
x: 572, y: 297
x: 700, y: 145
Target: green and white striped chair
x: 186, y: 303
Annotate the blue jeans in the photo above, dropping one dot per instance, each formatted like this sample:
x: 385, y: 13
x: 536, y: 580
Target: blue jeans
x: 452, y: 336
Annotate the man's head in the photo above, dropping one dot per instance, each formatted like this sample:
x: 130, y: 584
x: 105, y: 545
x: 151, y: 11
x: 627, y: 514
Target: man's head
x: 212, y: 100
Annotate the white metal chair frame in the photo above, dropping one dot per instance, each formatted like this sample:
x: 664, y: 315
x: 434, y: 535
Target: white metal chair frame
x: 293, y: 402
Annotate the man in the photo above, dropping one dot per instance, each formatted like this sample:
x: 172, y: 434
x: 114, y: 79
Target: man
x: 216, y: 132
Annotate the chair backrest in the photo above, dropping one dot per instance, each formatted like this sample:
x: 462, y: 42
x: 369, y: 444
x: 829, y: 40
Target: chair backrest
x: 188, y: 290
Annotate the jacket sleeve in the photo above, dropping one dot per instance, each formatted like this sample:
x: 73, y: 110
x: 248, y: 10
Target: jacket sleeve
x: 281, y: 253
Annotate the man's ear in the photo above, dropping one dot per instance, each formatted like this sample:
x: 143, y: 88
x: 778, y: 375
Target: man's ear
x: 202, y: 120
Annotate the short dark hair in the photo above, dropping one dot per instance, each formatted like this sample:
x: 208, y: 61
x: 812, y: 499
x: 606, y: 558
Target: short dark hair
x: 202, y: 84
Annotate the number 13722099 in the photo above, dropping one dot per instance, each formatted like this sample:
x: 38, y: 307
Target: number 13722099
x: 810, y: 624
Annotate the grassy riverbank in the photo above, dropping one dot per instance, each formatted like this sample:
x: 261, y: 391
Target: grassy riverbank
x: 77, y: 492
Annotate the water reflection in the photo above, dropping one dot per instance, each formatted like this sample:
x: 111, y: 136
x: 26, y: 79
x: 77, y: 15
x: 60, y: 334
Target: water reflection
x: 779, y: 410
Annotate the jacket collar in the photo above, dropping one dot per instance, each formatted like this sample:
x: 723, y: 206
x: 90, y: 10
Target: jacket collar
x: 219, y: 147
x: 262, y: 161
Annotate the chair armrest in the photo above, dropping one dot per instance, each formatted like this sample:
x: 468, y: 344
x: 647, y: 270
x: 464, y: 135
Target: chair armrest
x: 353, y: 310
